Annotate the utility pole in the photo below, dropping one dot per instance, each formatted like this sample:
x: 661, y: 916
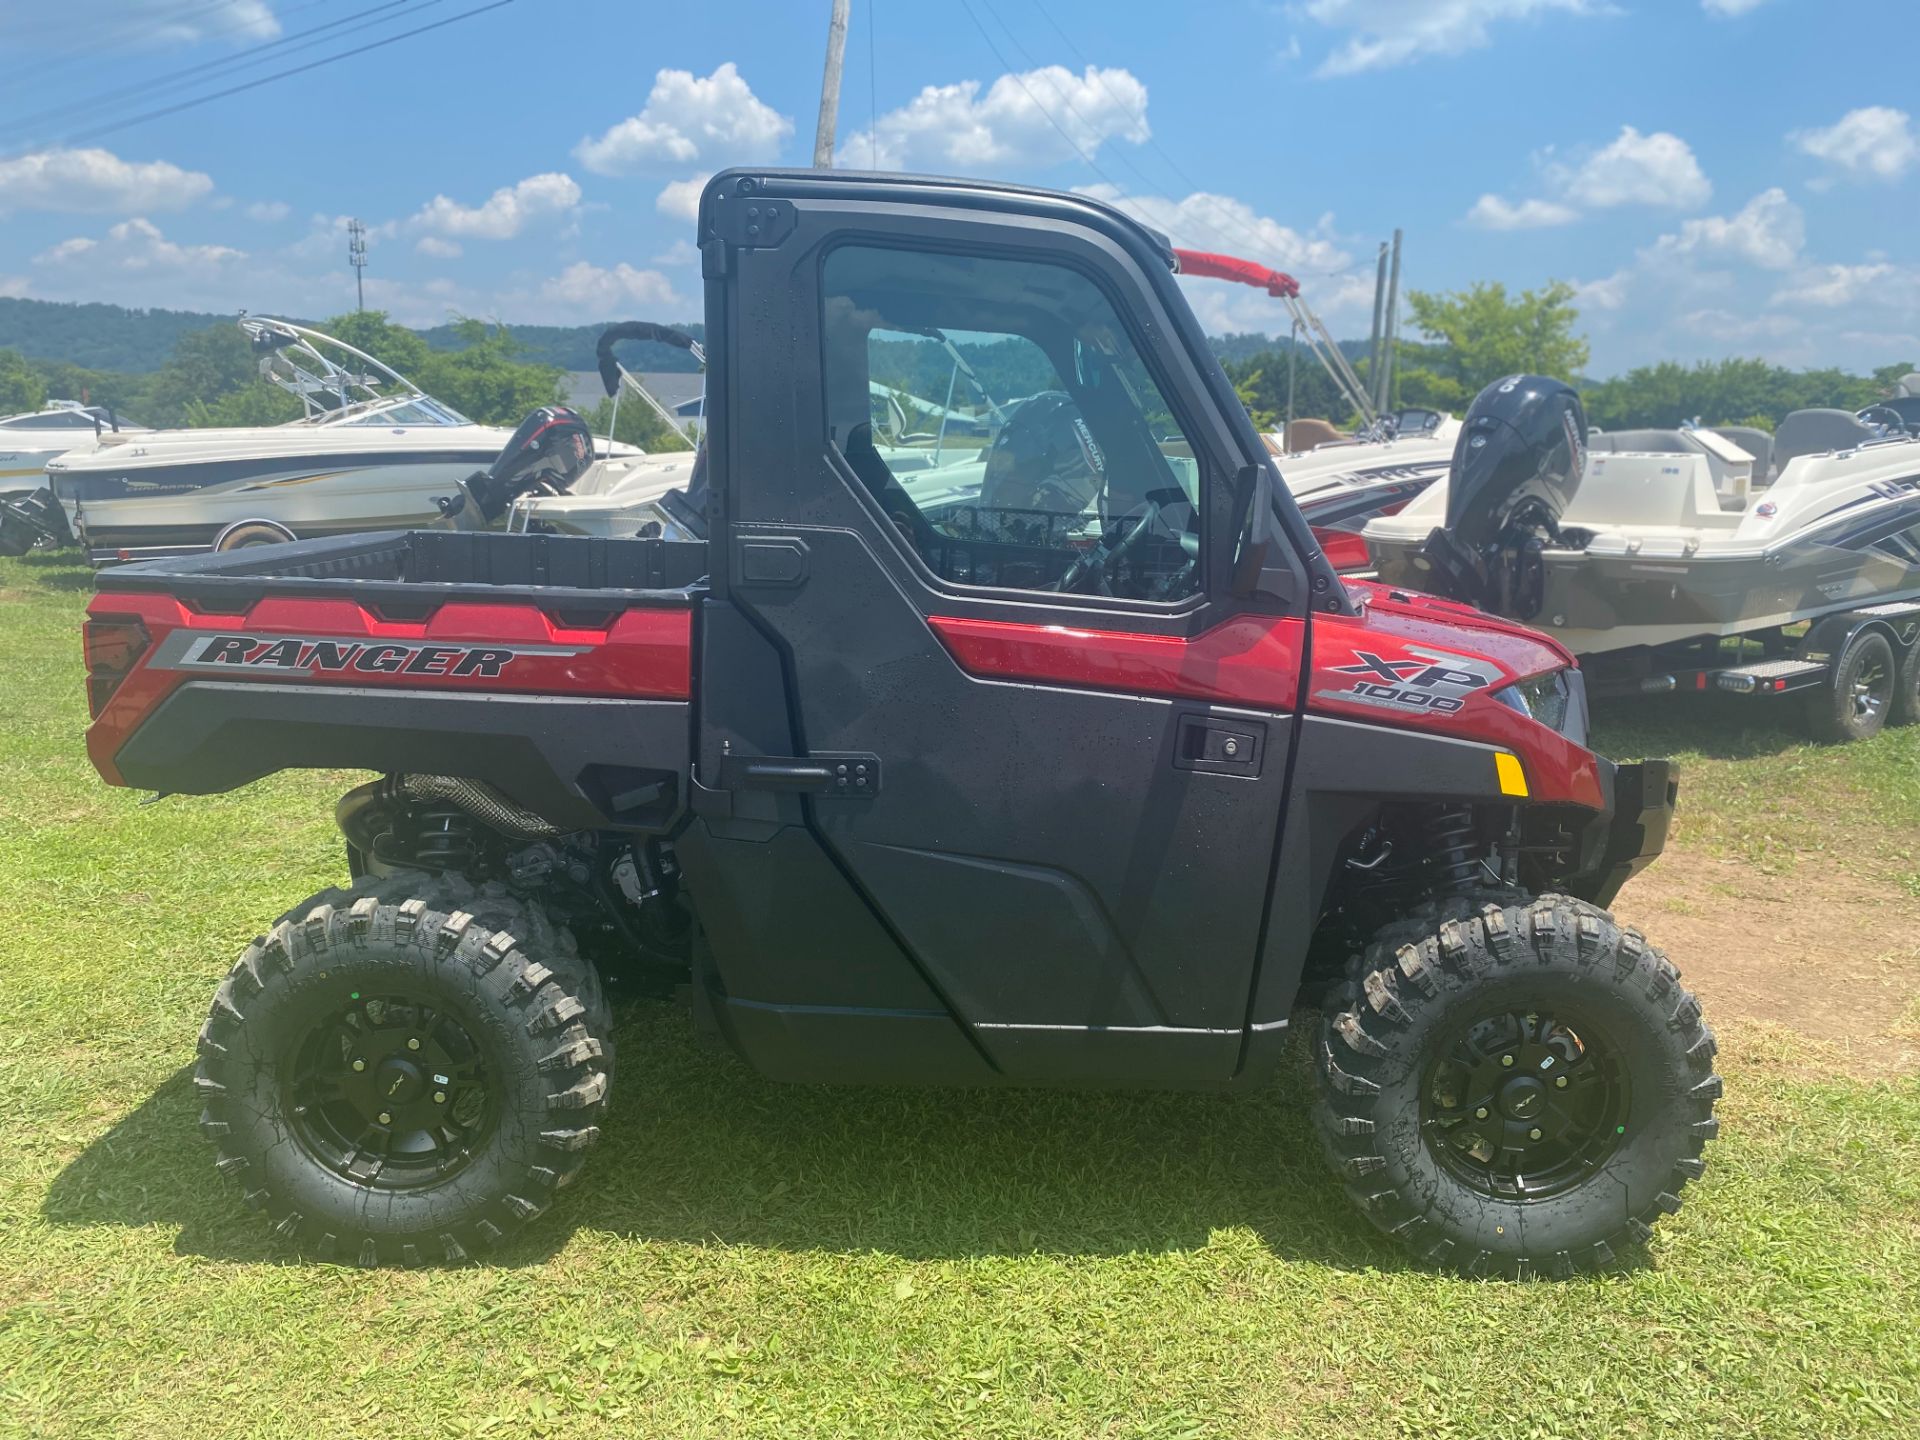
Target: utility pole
x: 1391, y: 357
x: 830, y: 87
x: 357, y: 257
x: 1293, y: 361
x: 1379, y: 325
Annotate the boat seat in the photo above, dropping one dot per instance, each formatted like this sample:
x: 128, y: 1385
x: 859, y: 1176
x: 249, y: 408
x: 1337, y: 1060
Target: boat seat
x: 1815, y: 432
x: 1643, y: 442
x: 1309, y: 434
x: 1756, y: 442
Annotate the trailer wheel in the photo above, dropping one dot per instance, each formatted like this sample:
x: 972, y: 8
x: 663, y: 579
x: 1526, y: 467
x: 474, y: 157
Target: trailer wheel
x: 249, y: 533
x: 1860, y: 699
x: 1906, y: 694
x: 1525, y: 1090
x: 404, y: 1080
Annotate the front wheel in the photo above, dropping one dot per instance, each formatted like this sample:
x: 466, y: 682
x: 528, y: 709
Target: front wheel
x: 1516, y: 1088
x: 402, y: 1080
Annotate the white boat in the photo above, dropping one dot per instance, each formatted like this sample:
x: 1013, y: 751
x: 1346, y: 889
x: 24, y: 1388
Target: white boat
x: 1340, y: 485
x: 27, y: 442
x: 372, y: 452
x: 1651, y: 538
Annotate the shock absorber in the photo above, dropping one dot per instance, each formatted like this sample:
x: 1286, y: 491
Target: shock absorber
x: 443, y: 838
x: 1453, y: 854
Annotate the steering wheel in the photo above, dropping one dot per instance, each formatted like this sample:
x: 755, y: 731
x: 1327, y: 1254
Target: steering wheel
x: 1096, y: 565
x: 1885, y: 416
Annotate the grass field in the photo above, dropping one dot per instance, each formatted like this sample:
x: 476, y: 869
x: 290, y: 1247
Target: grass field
x: 742, y: 1259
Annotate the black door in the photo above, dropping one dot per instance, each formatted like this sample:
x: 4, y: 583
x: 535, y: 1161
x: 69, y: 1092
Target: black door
x: 980, y: 790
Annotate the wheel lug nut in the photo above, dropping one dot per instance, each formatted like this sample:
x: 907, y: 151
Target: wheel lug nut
x: 1506, y: 1062
x: 413, y: 1044
x: 385, y: 1118
x: 1481, y: 1113
x: 1560, y: 1082
x: 1533, y: 1134
x: 359, y: 1065
x: 439, y: 1097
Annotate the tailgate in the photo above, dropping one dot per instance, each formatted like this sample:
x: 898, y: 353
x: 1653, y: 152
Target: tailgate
x: 576, y: 704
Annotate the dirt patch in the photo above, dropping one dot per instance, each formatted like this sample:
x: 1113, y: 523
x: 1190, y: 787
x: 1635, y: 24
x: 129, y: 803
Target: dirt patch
x: 1830, y: 953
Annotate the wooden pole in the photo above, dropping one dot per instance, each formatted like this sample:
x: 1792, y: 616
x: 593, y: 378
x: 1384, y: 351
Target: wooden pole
x: 830, y: 87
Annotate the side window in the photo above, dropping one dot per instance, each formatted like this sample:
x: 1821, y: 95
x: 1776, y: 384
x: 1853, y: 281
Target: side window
x: 1001, y: 416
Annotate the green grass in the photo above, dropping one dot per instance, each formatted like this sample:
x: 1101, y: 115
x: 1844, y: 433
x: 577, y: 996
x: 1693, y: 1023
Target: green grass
x: 743, y: 1259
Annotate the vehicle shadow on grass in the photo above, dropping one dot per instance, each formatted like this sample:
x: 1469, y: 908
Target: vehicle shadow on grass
x: 698, y: 1148
x: 1719, y: 727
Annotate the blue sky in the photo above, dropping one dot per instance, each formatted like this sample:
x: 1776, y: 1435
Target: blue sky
x: 1717, y: 176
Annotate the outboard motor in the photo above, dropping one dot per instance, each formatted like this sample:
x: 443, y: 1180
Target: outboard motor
x: 550, y: 450
x: 1521, y: 453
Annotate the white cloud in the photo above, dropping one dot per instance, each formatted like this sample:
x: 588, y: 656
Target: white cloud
x: 1831, y: 287
x: 438, y: 249
x: 96, y: 182
x: 13, y: 287
x: 1385, y: 33
x: 680, y: 252
x: 1769, y: 232
x: 1491, y: 212
x: 138, y: 244
x: 1729, y: 328
x: 686, y: 120
x: 1609, y: 293
x: 140, y: 24
x: 1876, y: 142
x: 1730, y: 7
x: 681, y: 198
x: 1635, y: 169
x: 957, y: 128
x: 505, y: 213
x: 269, y: 212
x: 591, y: 290
x: 1204, y: 221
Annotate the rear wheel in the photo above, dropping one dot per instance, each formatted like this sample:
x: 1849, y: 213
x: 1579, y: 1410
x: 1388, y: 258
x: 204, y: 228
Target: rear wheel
x: 1858, y: 702
x: 1522, y: 1088
x: 401, y: 1080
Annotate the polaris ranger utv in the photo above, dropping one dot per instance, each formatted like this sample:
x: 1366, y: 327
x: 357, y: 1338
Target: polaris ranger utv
x: 1074, y: 775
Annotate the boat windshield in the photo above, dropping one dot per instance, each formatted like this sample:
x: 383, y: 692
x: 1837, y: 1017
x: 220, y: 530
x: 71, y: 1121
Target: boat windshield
x: 421, y: 410
x: 337, y: 384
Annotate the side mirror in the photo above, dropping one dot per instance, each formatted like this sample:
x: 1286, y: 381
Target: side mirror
x: 1266, y: 567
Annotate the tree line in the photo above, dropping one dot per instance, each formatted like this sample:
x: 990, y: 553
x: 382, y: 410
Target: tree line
x: 1473, y: 337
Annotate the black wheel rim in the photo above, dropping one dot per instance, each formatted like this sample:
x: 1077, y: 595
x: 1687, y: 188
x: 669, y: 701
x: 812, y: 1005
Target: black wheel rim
x: 1524, y: 1105
x: 1872, y: 688
x: 391, y: 1092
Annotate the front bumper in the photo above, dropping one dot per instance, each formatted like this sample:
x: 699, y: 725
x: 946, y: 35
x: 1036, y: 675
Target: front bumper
x: 1623, y: 839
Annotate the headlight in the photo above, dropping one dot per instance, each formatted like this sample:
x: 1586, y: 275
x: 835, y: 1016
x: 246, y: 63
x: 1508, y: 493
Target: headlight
x: 1548, y: 698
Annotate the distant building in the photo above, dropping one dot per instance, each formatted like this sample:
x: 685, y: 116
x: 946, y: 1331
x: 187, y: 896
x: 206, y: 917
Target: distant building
x: 683, y: 393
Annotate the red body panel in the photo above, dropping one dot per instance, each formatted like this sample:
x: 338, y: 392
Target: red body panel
x: 1405, y: 662
x: 505, y: 648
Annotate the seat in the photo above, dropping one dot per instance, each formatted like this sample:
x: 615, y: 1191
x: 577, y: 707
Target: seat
x: 1757, y: 443
x: 1815, y: 432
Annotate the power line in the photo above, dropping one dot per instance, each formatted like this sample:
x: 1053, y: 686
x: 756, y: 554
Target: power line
x: 154, y: 27
x: 240, y: 60
x: 1193, y: 185
x: 284, y: 74
x: 1194, y: 219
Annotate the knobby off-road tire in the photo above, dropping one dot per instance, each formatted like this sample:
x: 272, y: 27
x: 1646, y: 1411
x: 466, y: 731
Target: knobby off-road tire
x: 1602, y: 1112
x: 1863, y: 693
x: 405, y: 1071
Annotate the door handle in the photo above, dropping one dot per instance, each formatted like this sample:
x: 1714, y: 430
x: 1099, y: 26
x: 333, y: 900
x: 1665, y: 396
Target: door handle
x: 851, y: 775
x: 1218, y: 747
